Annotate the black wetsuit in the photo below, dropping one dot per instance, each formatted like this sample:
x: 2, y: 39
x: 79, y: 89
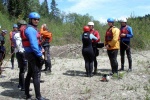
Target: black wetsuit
x: 88, y: 54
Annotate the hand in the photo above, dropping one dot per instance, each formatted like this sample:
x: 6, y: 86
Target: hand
x: 41, y: 60
x: 107, y: 46
x: 123, y: 35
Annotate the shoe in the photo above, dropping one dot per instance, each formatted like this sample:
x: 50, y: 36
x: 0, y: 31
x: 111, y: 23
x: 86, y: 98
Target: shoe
x: 95, y: 71
x: 129, y: 70
x: 41, y: 98
x: 45, y: 69
x: 42, y: 81
x: 19, y: 86
x: 121, y: 69
x: 22, y: 89
x: 28, y: 96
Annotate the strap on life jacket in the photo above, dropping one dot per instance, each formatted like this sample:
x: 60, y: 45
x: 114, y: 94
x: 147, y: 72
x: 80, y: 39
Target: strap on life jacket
x: 124, y: 30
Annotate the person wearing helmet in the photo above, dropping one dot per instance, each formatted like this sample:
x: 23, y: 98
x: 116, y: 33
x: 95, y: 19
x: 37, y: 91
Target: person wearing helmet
x: 33, y: 54
x: 87, y: 50
x: 15, y: 28
x: 112, y: 44
x: 125, y: 36
x: 2, y: 48
x: 94, y: 44
x: 19, y: 51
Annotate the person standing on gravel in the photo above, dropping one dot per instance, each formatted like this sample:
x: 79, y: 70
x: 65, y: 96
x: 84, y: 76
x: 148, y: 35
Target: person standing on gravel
x: 125, y: 35
x: 33, y: 53
x: 112, y: 44
x: 87, y: 50
x: 15, y: 28
x: 2, y: 48
x: 94, y: 44
x: 19, y: 50
x: 46, y: 39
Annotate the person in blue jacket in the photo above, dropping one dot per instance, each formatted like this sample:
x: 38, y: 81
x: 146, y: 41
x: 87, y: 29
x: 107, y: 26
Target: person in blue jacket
x: 125, y: 35
x: 33, y: 53
x: 87, y: 50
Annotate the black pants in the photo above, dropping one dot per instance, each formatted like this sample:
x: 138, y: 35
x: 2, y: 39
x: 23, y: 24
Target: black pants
x: 88, y: 55
x: 95, y: 59
x: 112, y: 54
x: 34, y: 71
x: 22, y: 64
x: 125, y: 46
x: 12, y: 56
x: 47, y: 58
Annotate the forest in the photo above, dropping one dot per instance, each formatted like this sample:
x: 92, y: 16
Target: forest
x: 67, y: 28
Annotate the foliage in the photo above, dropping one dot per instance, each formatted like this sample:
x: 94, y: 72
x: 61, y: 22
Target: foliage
x: 67, y: 28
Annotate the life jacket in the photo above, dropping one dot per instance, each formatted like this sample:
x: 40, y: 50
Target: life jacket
x: 10, y: 35
x: 124, y: 30
x: 109, y: 34
x: 13, y: 40
x: 25, y: 40
x: 86, y: 39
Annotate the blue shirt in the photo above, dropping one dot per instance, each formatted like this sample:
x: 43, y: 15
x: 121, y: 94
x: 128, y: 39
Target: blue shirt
x: 31, y: 34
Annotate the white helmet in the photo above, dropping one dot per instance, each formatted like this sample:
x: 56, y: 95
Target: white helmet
x: 123, y: 20
x: 91, y: 23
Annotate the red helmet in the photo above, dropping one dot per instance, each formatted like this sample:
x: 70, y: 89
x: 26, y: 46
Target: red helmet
x: 86, y: 29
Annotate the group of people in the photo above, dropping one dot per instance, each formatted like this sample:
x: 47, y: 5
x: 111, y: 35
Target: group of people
x: 115, y: 39
x: 32, y: 49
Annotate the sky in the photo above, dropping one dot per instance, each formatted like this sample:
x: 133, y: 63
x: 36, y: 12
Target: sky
x: 103, y: 9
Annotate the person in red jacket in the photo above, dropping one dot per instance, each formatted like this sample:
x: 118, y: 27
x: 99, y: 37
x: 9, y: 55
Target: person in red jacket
x: 94, y: 44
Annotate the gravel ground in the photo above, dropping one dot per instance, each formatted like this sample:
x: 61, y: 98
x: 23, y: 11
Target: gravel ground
x: 68, y: 82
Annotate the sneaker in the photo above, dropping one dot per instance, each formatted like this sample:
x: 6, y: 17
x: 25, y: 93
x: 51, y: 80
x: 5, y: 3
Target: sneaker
x: 41, y: 81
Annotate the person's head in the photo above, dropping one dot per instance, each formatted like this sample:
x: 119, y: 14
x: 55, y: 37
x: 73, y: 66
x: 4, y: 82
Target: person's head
x: 15, y: 27
x: 123, y: 21
x: 21, y: 22
x: 34, y: 18
x: 110, y: 21
x: 4, y: 32
x: 91, y: 25
x: 45, y: 27
x: 86, y: 29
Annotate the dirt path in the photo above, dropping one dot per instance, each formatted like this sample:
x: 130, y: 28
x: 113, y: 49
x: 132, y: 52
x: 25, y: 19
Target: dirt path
x: 68, y: 81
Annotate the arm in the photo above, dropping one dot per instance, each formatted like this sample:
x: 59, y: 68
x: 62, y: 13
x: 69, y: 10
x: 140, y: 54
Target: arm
x: 31, y: 34
x: 92, y: 37
x: 18, y: 42
x: 97, y: 35
x: 130, y: 34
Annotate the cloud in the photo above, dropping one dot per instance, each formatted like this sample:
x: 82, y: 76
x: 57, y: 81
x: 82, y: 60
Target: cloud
x: 85, y: 6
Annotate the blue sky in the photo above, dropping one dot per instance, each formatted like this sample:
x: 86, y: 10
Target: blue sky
x: 103, y: 9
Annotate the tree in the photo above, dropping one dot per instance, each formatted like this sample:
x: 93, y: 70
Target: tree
x: 45, y: 9
x: 55, y: 13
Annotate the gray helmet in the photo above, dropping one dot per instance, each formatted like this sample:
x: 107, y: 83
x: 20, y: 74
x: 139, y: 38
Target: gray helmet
x: 22, y: 22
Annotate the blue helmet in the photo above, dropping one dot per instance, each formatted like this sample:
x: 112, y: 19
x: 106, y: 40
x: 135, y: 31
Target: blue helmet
x: 15, y: 26
x: 110, y: 20
x: 34, y: 15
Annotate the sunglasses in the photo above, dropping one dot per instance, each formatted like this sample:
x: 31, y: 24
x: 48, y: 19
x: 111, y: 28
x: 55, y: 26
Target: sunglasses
x: 36, y: 19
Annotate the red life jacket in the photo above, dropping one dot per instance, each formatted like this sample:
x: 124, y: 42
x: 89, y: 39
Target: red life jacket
x: 109, y: 34
x: 25, y: 40
x: 124, y: 30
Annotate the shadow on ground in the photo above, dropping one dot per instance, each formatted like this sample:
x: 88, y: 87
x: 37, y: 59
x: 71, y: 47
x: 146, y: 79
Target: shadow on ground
x: 12, y: 90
